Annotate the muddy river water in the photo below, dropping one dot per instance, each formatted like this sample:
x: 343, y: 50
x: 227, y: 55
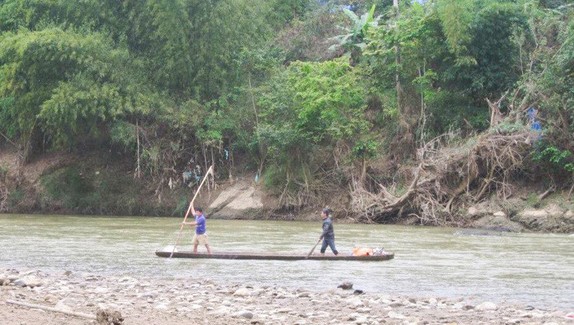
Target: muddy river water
x: 528, y: 268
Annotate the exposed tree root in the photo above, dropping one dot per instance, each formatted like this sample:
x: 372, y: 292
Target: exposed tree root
x: 446, y: 177
x: 550, y: 190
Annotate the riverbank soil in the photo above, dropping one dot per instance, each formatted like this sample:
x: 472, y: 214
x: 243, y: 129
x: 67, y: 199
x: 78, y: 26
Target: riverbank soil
x: 101, y: 183
x: 148, y: 300
x: 94, y: 183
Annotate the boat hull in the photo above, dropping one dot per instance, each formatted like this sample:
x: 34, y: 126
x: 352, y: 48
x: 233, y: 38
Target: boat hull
x: 282, y: 257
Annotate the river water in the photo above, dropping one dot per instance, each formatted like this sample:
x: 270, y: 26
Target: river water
x: 526, y: 268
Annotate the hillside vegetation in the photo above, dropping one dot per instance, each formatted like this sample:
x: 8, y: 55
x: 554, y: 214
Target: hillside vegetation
x: 384, y: 110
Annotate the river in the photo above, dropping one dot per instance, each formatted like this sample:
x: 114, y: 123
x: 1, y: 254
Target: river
x: 527, y: 268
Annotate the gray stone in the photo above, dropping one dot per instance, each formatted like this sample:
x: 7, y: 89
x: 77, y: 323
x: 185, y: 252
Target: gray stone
x: 473, y: 213
x: 355, y: 302
x: 245, y: 314
x: 161, y: 306
x: 28, y: 281
x: 468, y: 307
x: 242, y: 292
x: 499, y: 214
x: 221, y: 311
x: 395, y: 315
x: 487, y: 306
x: 61, y: 305
x: 533, y: 214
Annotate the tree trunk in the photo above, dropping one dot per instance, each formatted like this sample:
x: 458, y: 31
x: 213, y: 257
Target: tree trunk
x: 261, y: 149
x: 422, y: 118
x: 138, y: 167
x: 397, y: 61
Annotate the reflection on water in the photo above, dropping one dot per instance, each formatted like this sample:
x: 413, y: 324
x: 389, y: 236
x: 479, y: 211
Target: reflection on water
x: 536, y: 269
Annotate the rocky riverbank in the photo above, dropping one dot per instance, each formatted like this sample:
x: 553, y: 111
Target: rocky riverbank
x: 34, y: 297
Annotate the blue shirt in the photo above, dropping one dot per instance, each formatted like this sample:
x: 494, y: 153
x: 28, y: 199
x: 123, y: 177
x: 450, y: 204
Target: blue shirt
x: 200, y: 226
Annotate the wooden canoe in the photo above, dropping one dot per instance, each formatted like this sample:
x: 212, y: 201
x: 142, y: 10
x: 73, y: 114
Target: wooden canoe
x: 271, y: 256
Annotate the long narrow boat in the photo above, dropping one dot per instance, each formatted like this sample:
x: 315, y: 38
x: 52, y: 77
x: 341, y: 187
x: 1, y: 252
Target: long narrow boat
x: 273, y: 256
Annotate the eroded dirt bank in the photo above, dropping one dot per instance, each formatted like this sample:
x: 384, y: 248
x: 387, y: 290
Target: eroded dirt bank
x: 61, y: 183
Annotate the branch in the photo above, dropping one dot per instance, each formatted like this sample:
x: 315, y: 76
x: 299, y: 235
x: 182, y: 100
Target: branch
x: 547, y: 192
x: 9, y: 141
x: 495, y: 114
x: 51, y: 309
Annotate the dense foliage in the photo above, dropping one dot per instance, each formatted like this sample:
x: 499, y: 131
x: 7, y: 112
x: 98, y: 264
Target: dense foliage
x: 307, y: 94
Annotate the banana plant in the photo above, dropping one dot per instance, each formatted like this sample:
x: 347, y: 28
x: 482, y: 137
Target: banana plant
x: 354, y: 37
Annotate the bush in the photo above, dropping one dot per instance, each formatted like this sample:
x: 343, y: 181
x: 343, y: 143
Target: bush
x: 15, y: 197
x: 556, y: 160
x: 69, y: 186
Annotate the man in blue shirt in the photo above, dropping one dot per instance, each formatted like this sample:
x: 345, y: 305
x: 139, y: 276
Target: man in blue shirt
x: 200, y: 235
x: 328, y: 234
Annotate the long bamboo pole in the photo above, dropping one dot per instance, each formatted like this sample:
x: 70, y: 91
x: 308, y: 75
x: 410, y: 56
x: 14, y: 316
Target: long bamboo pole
x: 312, y: 249
x: 25, y: 304
x: 209, y: 171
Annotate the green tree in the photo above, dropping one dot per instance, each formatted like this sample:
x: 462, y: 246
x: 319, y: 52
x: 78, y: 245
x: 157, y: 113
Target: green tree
x: 545, y: 85
x: 159, y: 33
x: 456, y: 17
x: 309, y: 38
x: 423, y: 55
x: 59, y: 87
x: 322, y: 108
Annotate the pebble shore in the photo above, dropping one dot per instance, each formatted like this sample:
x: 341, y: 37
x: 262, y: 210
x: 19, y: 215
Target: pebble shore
x: 143, y: 301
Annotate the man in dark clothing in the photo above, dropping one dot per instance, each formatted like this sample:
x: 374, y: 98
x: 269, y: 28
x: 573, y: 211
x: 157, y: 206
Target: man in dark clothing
x: 328, y: 234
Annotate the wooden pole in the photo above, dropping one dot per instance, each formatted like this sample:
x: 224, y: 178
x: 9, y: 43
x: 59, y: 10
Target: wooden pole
x: 25, y: 304
x: 312, y: 249
x: 209, y: 171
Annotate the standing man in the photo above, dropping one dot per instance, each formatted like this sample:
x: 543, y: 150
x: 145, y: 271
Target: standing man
x: 328, y: 234
x: 200, y: 235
